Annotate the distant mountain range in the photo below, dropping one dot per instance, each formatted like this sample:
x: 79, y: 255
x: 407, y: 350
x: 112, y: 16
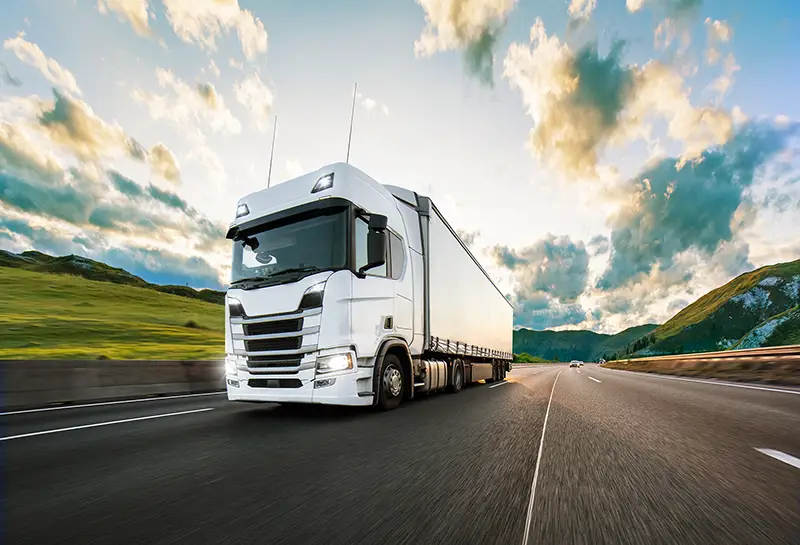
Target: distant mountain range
x: 95, y: 270
x: 756, y: 309
x: 575, y: 345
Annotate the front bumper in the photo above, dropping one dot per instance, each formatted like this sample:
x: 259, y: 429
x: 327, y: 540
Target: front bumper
x: 273, y: 388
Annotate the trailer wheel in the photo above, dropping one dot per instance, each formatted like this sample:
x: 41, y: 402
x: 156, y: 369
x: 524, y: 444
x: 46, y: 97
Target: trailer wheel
x: 392, y: 383
x: 458, y: 379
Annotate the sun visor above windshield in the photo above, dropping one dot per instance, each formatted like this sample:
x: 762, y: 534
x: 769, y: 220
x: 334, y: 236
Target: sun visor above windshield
x: 237, y: 232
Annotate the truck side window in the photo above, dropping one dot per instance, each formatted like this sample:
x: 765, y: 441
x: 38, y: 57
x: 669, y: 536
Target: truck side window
x: 361, y: 250
x: 398, y: 255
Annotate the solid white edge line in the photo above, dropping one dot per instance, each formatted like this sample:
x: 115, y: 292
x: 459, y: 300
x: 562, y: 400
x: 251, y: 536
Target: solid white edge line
x: 101, y: 403
x: 72, y: 428
x: 498, y: 384
x: 715, y: 383
x: 782, y: 456
x: 538, y: 460
x: 594, y: 379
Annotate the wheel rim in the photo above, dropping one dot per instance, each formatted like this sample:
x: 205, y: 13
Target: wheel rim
x: 392, y: 381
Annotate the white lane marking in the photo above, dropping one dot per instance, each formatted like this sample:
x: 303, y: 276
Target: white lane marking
x: 72, y: 428
x: 594, y: 379
x: 579, y: 371
x: 498, y: 384
x: 782, y: 456
x: 653, y: 375
x: 101, y: 403
x: 538, y: 460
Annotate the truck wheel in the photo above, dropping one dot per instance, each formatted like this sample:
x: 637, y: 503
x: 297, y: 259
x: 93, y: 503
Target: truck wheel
x: 458, y: 379
x: 392, y: 383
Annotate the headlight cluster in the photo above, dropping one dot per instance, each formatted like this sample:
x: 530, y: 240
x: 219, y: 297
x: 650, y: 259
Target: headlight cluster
x: 337, y: 362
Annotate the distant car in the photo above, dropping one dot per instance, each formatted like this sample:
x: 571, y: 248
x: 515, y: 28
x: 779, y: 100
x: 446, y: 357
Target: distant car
x: 574, y: 363
x: 580, y: 364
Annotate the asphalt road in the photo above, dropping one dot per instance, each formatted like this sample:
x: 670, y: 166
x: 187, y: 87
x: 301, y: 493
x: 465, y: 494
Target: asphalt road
x: 625, y: 458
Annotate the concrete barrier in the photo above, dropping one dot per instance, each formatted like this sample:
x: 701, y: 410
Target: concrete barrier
x: 38, y: 383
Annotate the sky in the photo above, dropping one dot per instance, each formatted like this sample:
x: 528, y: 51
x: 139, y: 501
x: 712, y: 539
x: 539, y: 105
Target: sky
x: 608, y: 161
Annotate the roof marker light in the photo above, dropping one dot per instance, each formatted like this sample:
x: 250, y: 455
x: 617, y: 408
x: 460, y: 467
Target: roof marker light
x: 325, y: 182
x: 242, y: 210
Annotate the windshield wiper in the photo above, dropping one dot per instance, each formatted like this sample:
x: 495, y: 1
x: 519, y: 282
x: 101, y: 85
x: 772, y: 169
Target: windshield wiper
x: 310, y: 268
x: 251, y: 279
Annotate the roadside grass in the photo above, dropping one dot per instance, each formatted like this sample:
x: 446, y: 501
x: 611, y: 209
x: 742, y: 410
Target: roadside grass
x: 52, y: 316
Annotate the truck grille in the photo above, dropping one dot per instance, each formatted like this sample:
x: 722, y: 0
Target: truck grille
x: 265, y: 345
x: 266, y: 362
x: 267, y: 328
x: 274, y: 383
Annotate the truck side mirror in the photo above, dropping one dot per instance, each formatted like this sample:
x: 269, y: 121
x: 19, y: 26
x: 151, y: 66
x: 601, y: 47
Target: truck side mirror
x: 376, y: 243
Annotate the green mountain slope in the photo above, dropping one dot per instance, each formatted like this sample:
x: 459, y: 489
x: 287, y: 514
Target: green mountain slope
x: 778, y: 330
x: 719, y: 319
x: 95, y: 270
x: 56, y: 316
x: 569, y: 345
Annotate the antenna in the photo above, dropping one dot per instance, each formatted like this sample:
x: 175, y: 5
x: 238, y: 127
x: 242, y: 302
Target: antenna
x: 272, y: 151
x: 352, y: 114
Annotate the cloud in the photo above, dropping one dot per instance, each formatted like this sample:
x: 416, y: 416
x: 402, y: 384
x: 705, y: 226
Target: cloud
x: 672, y: 7
x: 72, y: 124
x: 471, y: 26
x: 370, y: 104
x: 164, y: 164
x: 718, y: 32
x: 581, y: 10
x: 555, y: 266
x: 676, y: 305
x: 724, y: 82
x: 599, y: 244
x: 468, y: 237
x: 253, y: 94
x: 183, y: 104
x: 31, y: 54
x: 582, y: 103
x: 8, y: 79
x: 669, y: 209
x: 294, y: 168
x: 213, y: 68
x: 211, y: 163
x: 544, y: 313
x: 201, y: 22
x: 135, y: 12
x: 19, y: 153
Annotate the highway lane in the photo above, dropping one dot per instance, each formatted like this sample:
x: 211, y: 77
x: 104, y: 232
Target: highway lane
x: 628, y: 459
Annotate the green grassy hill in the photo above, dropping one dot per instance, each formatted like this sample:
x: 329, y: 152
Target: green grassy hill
x: 569, y: 345
x: 719, y: 319
x: 60, y: 316
x: 95, y: 270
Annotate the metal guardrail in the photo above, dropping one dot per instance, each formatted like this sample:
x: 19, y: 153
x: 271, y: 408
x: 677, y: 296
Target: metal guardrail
x: 772, y: 352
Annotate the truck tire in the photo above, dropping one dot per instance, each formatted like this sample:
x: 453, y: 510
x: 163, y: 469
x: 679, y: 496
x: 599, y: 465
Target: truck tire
x: 392, y: 383
x: 458, y: 379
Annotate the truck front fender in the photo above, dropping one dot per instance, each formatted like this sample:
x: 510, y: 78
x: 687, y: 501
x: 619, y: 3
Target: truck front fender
x: 396, y: 344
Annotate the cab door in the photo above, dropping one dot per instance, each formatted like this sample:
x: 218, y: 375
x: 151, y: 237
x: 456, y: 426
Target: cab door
x: 372, y: 306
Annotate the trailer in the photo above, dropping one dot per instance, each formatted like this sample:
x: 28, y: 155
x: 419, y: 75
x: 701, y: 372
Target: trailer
x: 345, y: 291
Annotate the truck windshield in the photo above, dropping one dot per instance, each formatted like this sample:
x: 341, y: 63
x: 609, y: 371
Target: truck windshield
x: 305, y: 244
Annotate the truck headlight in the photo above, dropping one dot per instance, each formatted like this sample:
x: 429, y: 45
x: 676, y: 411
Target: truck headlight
x: 312, y: 298
x: 337, y: 362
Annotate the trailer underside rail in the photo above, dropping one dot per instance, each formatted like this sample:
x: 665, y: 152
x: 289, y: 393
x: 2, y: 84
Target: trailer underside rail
x: 446, y: 346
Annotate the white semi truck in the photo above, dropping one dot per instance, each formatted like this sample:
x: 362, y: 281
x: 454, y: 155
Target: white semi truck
x: 345, y: 291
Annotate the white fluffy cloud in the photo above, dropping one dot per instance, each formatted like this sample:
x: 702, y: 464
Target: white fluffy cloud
x: 719, y: 32
x: 135, y: 12
x: 183, y: 104
x: 32, y: 54
x: 471, y: 26
x: 581, y: 9
x: 582, y: 103
x: 164, y: 163
x: 201, y: 22
x: 253, y: 94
